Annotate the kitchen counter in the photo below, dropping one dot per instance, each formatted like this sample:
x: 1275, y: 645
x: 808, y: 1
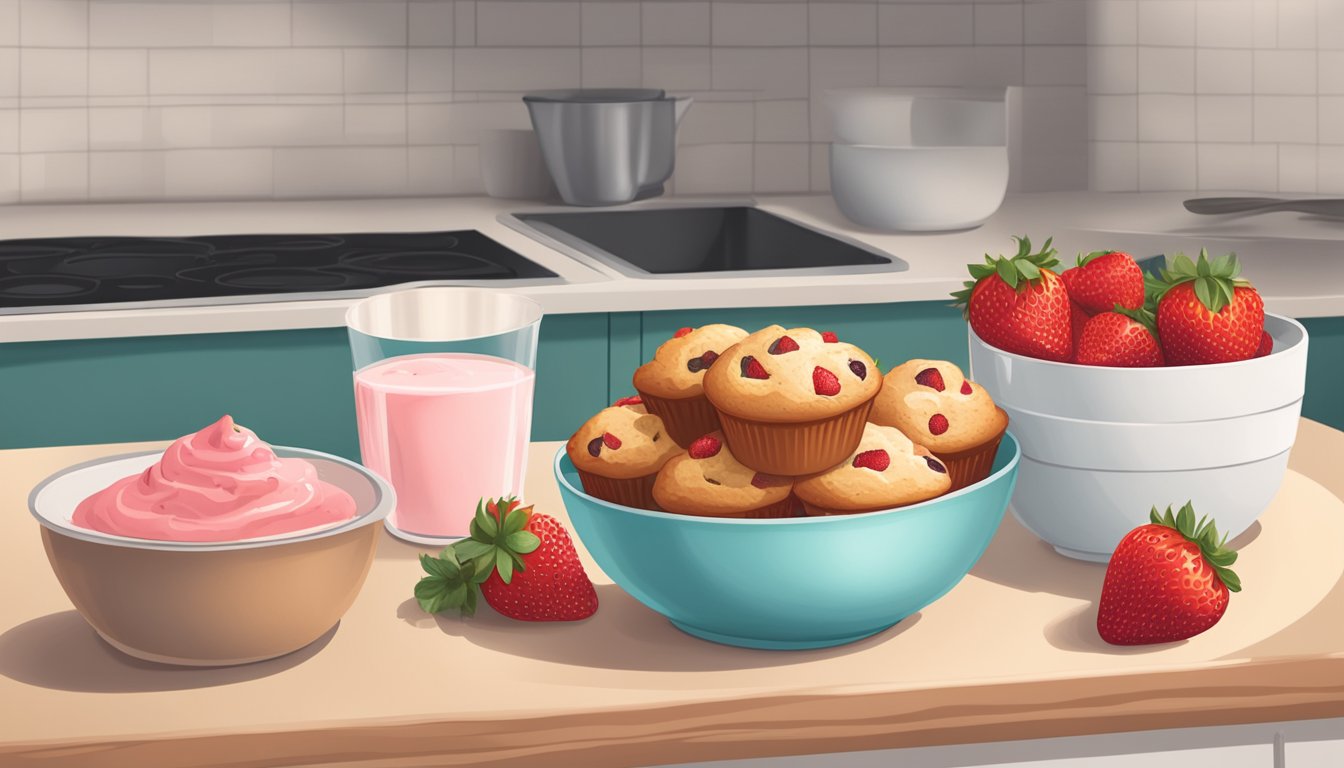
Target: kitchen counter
x: 1011, y: 653
x: 1304, y: 276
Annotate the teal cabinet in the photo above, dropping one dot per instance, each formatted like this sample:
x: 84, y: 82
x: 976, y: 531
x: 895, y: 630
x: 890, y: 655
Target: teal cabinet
x: 293, y: 387
x: 1325, y: 370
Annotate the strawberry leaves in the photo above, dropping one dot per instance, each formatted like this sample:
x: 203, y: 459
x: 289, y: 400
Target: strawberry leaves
x: 1204, y: 534
x: 493, y: 546
x: 1021, y: 269
x: 1215, y: 282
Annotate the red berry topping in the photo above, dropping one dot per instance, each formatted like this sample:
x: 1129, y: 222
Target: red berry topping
x: 783, y: 344
x: 704, y: 447
x: 824, y: 382
x: 829, y: 337
x: 681, y: 332
x: 611, y: 441
x: 935, y: 466
x: 595, y: 446
x: 932, y: 378
x: 1266, y: 344
x: 632, y: 400
x: 698, y: 364
x: 965, y: 387
x: 763, y: 481
x: 877, y: 460
x: 859, y: 369
x: 752, y: 368
x: 938, y: 424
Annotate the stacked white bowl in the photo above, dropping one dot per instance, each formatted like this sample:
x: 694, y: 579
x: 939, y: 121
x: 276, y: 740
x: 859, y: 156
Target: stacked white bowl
x: 918, y: 159
x: 1102, y: 446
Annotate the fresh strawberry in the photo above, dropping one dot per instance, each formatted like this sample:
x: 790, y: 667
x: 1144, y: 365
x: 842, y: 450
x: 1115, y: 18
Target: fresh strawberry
x: 1018, y: 304
x: 682, y: 332
x: 631, y: 400
x: 1167, y: 580
x: 1266, y: 344
x: 829, y: 337
x: 1206, y: 313
x: 1077, y: 319
x: 782, y: 345
x: 523, y: 563
x: 938, y: 424
x: 611, y: 441
x: 931, y: 378
x: 824, y: 382
x: 1104, y: 279
x: 1122, y: 339
x: 704, y: 447
x: 876, y: 460
x: 752, y: 368
x: 966, y: 388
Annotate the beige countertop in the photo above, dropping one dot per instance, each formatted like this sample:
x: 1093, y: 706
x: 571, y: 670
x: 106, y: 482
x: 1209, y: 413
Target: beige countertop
x: 1010, y: 653
x: 1293, y: 259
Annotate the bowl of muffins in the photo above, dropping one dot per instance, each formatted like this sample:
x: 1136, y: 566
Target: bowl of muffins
x: 775, y: 490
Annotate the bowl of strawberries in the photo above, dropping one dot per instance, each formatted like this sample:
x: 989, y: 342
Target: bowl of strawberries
x: 1126, y: 389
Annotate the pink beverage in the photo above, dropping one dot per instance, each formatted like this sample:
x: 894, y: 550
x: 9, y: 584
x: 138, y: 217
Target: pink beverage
x: 445, y: 429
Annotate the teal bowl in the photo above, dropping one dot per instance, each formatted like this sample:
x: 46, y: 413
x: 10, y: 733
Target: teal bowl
x: 806, y: 582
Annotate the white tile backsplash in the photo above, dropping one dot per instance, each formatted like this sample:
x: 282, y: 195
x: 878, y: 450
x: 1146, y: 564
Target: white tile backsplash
x: 770, y: 72
x: 1167, y: 22
x: 1114, y: 22
x: 54, y: 72
x: 926, y: 24
x: 1233, y: 167
x: 1164, y: 167
x: 1285, y: 119
x: 610, y: 23
x: 998, y: 24
x: 431, y: 22
x: 349, y: 22
x: 1297, y: 168
x: 1056, y: 22
x: 529, y: 22
x: 9, y: 179
x: 733, y: 24
x: 54, y: 23
x: 845, y: 23
x: 118, y: 72
x: 1224, y: 24
x: 9, y: 27
x: 781, y: 167
x: 675, y: 23
x: 1224, y: 71
x: 1224, y: 118
x: 53, y: 176
x: 678, y: 69
x: 9, y: 131
x: 1166, y: 70
x: 782, y: 121
x: 612, y: 68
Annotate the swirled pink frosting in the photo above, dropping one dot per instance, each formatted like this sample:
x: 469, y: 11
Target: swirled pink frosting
x: 220, y: 484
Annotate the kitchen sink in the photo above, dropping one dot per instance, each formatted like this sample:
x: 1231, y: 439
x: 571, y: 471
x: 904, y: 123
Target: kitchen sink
x: 720, y: 241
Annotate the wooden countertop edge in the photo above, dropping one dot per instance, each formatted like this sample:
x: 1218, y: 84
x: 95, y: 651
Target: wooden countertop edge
x: 1263, y: 691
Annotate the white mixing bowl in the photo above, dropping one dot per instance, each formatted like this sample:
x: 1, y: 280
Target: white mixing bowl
x: 918, y: 189
x: 1102, y: 446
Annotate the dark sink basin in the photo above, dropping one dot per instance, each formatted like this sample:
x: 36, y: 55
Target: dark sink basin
x: 703, y: 241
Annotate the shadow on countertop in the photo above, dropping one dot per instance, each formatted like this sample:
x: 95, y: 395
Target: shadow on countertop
x: 622, y: 635
x: 61, y: 651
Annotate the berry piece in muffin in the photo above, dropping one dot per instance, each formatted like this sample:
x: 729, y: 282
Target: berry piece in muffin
x: 708, y: 481
x: 936, y: 406
x: 886, y: 470
x: 790, y: 401
x: 619, y: 451
x: 672, y: 384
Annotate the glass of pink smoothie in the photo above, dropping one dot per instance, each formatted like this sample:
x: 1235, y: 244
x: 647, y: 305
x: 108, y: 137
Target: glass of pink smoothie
x: 443, y: 399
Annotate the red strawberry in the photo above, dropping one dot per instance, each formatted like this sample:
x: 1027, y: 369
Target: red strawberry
x: 704, y: 447
x: 1168, y: 580
x: 1018, y: 305
x: 938, y: 424
x: 752, y: 368
x: 966, y: 388
x: 631, y: 400
x: 1077, y: 319
x: 829, y: 337
x: 611, y: 441
x: 783, y: 344
x: 1266, y: 344
x: 876, y: 460
x: 1103, y: 279
x: 931, y: 378
x: 524, y: 564
x: 1205, y: 313
x: 682, y: 332
x: 824, y: 382
x: 1121, y: 339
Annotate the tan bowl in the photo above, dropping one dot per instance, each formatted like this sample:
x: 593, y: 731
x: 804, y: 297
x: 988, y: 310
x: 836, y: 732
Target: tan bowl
x: 210, y: 604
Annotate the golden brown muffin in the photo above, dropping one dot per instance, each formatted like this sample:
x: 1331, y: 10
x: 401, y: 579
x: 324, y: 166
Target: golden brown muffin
x: 936, y: 406
x: 887, y: 470
x: 619, y: 451
x: 707, y: 481
x: 671, y: 384
x: 792, y: 402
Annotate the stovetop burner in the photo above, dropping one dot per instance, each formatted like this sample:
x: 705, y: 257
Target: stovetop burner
x: 52, y: 272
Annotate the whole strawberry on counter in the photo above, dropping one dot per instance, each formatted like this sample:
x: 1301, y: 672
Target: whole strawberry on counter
x: 1104, y: 279
x: 1206, y: 313
x: 1018, y: 304
x: 523, y: 563
x: 1123, y: 338
x: 1167, y: 580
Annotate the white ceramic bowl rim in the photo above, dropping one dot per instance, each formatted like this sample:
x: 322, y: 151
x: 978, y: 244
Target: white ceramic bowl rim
x: 384, y: 501
x: 818, y: 520
x: 1301, y: 336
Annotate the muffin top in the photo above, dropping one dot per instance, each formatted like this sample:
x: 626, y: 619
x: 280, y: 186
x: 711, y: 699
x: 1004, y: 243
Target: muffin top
x: 677, y: 369
x: 621, y: 442
x: 792, y: 375
x: 937, y: 406
x: 706, y: 480
x: 886, y: 470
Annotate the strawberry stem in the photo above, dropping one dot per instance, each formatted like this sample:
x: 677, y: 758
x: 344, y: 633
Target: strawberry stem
x: 1215, y: 281
x: 1204, y: 534
x: 1017, y: 271
x: 496, y: 544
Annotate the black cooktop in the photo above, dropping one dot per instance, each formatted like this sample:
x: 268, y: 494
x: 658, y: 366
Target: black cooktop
x: 100, y: 270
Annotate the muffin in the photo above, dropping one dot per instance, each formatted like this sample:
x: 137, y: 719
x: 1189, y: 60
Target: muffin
x: 619, y: 451
x: 792, y: 402
x: 886, y: 470
x: 936, y: 406
x: 706, y: 480
x: 671, y: 384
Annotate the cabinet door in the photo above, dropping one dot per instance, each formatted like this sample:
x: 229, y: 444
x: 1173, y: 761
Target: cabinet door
x: 892, y: 333
x: 1325, y: 753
